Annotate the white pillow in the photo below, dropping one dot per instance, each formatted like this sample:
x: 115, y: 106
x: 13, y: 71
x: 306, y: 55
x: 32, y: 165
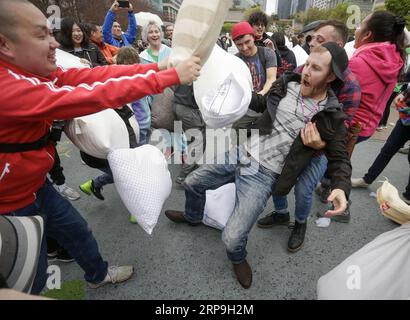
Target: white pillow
x: 143, y: 182
x: 67, y: 60
x: 100, y: 133
x: 223, y: 94
x: 219, y: 206
x: 197, y: 28
x: 378, y: 271
x: 300, y: 55
x: 350, y: 49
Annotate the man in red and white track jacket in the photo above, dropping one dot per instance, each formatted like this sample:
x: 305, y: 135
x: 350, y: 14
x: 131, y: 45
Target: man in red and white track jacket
x: 34, y: 92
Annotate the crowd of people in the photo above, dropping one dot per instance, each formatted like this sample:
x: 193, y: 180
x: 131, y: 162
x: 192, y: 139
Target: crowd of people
x: 305, y: 116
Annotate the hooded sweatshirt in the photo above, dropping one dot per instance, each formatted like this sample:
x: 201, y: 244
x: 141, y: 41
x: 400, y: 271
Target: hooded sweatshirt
x: 377, y: 67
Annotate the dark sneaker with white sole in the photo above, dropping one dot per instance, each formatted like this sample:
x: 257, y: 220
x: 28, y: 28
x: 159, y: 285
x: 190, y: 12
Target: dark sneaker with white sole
x: 274, y: 219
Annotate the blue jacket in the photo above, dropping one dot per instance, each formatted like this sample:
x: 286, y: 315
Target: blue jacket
x: 128, y: 38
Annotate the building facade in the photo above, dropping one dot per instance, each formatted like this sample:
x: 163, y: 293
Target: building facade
x: 170, y: 9
x: 262, y: 4
x: 322, y: 4
x: 157, y: 5
x: 284, y: 7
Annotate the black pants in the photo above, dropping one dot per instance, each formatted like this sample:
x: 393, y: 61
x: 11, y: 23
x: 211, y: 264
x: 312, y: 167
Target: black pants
x: 386, y: 114
x: 399, y: 136
x: 56, y: 172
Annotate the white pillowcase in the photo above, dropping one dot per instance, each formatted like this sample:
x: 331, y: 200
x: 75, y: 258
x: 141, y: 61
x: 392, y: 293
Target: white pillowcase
x: 100, y: 133
x: 300, y: 55
x: 68, y: 61
x: 143, y: 182
x: 219, y: 206
x: 197, y: 29
x: 378, y: 271
x: 223, y: 92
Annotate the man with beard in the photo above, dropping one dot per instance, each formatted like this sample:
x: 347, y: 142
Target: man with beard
x: 301, y: 114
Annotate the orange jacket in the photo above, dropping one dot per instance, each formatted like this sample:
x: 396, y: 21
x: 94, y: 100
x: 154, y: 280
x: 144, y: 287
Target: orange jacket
x: 107, y: 50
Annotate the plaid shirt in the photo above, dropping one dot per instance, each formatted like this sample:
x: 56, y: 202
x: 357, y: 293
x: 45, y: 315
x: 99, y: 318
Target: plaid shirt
x: 349, y: 95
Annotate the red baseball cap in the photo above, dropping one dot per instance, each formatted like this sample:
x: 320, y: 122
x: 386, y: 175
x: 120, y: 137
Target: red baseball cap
x: 242, y: 28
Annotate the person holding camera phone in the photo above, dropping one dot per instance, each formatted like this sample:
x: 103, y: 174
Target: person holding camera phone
x: 112, y: 31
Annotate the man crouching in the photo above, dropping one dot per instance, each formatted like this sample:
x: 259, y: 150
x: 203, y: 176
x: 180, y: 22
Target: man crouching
x: 301, y: 115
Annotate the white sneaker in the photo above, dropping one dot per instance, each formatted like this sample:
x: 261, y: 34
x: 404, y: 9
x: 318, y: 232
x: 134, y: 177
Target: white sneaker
x: 404, y: 150
x: 359, y: 183
x: 114, y: 275
x: 68, y: 192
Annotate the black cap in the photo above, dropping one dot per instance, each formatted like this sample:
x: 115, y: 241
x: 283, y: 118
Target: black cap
x: 340, y: 61
x: 312, y: 26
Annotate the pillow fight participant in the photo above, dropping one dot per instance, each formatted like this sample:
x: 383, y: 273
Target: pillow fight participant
x: 287, y: 56
x: 94, y: 33
x: 399, y: 136
x: 112, y: 31
x: 74, y: 40
x: 299, y: 111
x: 156, y: 51
x: 168, y: 33
x: 224, y: 42
x: 377, y: 63
x: 259, y: 22
x: 349, y: 97
x: 126, y: 56
x: 187, y: 111
x: 35, y: 91
x: 261, y: 62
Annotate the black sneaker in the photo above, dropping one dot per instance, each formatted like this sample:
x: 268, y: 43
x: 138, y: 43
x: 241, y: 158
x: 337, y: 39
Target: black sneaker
x: 274, y: 218
x: 297, y: 237
x: 323, y: 191
x: 62, y: 256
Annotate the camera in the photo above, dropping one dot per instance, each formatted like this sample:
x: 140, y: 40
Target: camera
x: 123, y: 4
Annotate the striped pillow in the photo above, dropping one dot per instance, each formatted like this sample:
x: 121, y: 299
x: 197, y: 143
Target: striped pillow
x: 197, y: 28
x: 20, y: 243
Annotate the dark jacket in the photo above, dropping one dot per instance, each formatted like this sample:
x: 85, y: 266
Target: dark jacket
x: 260, y: 43
x: 288, y: 61
x: 90, y: 53
x: 184, y: 94
x: 330, y: 123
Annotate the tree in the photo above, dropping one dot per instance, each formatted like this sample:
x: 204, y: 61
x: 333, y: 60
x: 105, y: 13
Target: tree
x: 340, y: 12
x: 400, y: 8
x: 313, y: 14
x: 251, y: 10
x: 227, y: 27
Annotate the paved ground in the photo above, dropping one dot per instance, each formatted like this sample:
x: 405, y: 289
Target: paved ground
x: 181, y: 262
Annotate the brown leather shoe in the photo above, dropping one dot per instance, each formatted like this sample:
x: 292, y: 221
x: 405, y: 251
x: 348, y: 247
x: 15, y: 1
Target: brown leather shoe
x: 179, y: 217
x: 243, y: 273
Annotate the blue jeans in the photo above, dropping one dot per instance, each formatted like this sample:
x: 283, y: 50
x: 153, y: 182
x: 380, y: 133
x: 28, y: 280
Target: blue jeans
x: 67, y: 226
x: 105, y: 178
x: 304, y: 188
x: 253, y: 188
x: 399, y: 136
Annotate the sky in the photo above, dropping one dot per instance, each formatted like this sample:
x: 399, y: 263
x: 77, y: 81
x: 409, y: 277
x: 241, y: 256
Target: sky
x: 270, y: 6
